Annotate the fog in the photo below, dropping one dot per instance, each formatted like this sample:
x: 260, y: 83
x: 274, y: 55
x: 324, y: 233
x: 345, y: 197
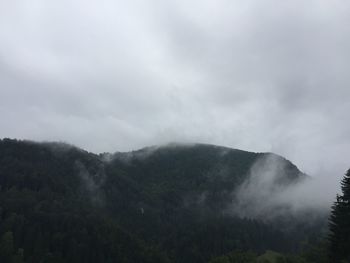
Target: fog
x: 91, y: 183
x: 271, y: 190
x: 267, y: 195
x: 107, y: 76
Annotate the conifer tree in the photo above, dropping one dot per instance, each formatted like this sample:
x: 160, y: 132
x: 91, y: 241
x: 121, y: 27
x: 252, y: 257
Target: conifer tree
x: 6, y: 247
x: 339, y: 224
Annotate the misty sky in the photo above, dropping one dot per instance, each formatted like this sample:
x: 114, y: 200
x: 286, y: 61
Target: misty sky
x: 118, y: 75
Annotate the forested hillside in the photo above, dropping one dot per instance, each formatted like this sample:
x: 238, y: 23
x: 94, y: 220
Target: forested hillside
x: 173, y: 203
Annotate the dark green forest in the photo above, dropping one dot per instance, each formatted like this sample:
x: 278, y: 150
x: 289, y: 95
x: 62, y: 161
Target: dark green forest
x: 59, y: 203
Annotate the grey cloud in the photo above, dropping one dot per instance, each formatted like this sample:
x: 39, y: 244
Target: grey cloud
x: 116, y: 76
x: 266, y: 194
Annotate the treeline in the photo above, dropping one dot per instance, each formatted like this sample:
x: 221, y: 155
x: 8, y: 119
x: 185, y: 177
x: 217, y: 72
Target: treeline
x: 46, y: 214
x: 59, y: 203
x: 334, y: 248
x: 339, y: 225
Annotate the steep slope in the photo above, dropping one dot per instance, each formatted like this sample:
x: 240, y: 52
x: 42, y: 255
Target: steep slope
x: 202, y: 177
x: 45, y: 206
x: 67, y: 205
x: 181, y: 196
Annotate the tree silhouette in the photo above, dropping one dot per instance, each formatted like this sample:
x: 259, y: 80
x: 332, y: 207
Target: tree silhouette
x: 6, y: 247
x: 339, y: 224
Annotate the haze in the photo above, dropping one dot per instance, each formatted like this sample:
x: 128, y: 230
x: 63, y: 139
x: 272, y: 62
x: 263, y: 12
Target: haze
x: 266, y: 76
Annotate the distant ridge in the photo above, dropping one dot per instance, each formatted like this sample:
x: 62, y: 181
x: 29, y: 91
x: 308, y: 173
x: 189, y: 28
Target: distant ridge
x: 168, y: 203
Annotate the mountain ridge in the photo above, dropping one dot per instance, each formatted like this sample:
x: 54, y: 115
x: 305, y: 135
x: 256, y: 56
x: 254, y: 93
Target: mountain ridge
x: 171, y: 201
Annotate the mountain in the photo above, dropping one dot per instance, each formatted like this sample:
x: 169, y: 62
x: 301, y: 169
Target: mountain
x: 171, y: 203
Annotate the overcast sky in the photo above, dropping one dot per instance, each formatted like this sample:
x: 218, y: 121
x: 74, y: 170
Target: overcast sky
x: 114, y: 75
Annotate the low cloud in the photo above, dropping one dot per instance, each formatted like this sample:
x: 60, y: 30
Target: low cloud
x: 91, y: 183
x: 110, y: 76
x: 267, y: 195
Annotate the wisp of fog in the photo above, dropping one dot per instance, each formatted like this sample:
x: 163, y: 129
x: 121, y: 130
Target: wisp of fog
x: 265, y: 194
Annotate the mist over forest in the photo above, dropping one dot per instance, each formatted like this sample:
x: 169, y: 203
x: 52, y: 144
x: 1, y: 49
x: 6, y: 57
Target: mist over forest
x: 167, y: 203
x: 174, y: 131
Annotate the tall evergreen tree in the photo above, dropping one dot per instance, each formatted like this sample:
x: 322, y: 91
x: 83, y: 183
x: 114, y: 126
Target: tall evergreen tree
x: 339, y: 224
x: 6, y: 247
